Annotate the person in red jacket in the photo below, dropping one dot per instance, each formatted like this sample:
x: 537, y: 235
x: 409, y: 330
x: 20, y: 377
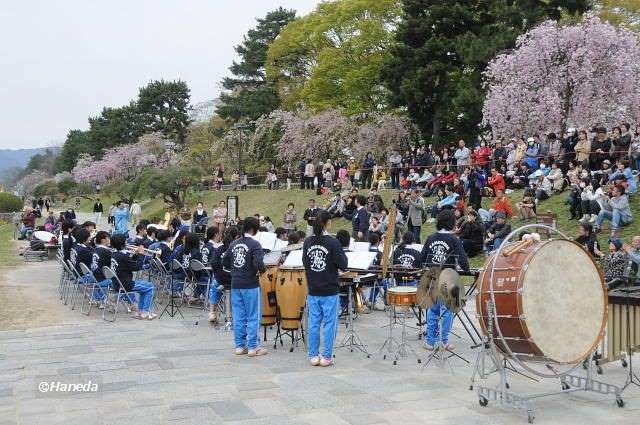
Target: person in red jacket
x: 501, y: 203
x: 482, y: 156
x: 496, y: 181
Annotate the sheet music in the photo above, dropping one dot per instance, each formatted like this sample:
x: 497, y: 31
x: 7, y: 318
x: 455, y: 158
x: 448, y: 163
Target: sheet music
x: 280, y: 244
x: 267, y: 240
x: 359, y: 246
x: 272, y: 258
x: 360, y: 260
x: 293, y: 260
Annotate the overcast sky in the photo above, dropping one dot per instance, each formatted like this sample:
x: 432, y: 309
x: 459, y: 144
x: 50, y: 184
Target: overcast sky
x: 61, y: 61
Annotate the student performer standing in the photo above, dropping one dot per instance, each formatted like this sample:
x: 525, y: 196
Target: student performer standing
x: 244, y: 259
x: 322, y: 256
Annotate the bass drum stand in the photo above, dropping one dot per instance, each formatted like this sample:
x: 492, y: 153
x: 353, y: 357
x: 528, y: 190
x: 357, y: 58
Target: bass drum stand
x: 490, y: 360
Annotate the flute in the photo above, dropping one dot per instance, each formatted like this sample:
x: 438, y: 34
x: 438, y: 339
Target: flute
x: 150, y: 252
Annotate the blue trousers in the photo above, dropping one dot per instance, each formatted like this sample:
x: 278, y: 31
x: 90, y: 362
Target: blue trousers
x: 323, y: 311
x: 433, y: 315
x: 245, y: 309
x: 214, y: 293
x: 617, y: 220
x: 145, y: 292
x: 101, y: 292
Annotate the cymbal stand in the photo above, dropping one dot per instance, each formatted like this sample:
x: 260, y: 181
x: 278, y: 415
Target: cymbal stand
x: 440, y: 352
x: 632, y: 378
x: 351, y: 339
x: 397, y: 349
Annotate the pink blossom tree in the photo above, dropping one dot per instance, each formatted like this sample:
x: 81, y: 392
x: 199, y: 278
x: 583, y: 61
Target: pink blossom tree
x: 125, y: 161
x: 330, y: 133
x: 564, y: 75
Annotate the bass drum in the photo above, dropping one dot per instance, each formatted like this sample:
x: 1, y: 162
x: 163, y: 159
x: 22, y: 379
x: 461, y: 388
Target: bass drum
x: 550, y: 302
x: 269, y: 305
x: 291, y: 292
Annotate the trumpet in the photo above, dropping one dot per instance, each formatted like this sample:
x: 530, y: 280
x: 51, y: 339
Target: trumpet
x: 150, y: 252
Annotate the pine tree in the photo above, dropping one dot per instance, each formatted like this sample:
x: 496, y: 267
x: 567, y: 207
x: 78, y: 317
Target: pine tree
x: 442, y: 49
x: 248, y: 94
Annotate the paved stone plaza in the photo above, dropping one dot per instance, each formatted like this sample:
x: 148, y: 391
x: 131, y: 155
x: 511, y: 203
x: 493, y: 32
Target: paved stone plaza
x: 171, y: 371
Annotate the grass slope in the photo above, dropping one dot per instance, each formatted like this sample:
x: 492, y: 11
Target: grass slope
x: 274, y: 203
x: 8, y: 255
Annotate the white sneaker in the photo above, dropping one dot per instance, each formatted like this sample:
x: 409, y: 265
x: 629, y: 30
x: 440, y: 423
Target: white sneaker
x: 594, y: 217
x: 326, y: 362
x: 315, y: 361
x: 428, y: 347
x: 257, y: 352
x: 241, y: 351
x: 379, y: 306
x: 585, y: 218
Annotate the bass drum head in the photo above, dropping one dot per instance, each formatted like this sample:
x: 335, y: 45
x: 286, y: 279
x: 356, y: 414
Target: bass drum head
x: 564, y: 301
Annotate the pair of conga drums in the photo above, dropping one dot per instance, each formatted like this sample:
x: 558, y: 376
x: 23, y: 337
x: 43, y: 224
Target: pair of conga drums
x: 549, y: 300
x: 284, y: 294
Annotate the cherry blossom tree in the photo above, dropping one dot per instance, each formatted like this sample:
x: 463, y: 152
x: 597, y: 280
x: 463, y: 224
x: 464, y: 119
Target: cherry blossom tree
x: 559, y: 76
x: 125, y: 161
x: 330, y: 133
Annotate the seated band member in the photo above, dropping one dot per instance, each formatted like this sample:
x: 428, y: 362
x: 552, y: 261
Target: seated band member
x: 123, y: 264
x: 442, y: 249
x: 141, y: 237
x: 81, y: 253
x: 67, y: 240
x: 208, y: 251
x: 191, y: 251
x: 407, y: 257
x: 165, y: 249
x: 101, y: 258
x: 322, y: 257
x: 221, y: 274
x: 244, y: 260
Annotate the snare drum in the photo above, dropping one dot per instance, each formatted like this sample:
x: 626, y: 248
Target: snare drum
x: 402, y: 296
x: 291, y: 293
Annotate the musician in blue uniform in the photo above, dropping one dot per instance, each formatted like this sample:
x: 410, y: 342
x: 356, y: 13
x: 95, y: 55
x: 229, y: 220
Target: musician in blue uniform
x: 81, y: 253
x: 406, y: 257
x: 244, y: 260
x: 141, y: 237
x: 163, y: 246
x: 359, y: 219
x: 208, y: 252
x: 322, y: 257
x: 124, y: 264
x: 67, y: 240
x: 101, y: 258
x: 442, y: 249
x: 220, y: 273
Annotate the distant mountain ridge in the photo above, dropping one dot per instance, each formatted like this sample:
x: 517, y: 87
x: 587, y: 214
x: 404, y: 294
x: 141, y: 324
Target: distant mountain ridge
x: 12, y: 158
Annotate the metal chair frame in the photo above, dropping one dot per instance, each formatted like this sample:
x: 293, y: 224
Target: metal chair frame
x: 110, y: 274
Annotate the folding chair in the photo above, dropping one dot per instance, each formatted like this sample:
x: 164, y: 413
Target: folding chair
x: 64, y: 276
x: 88, y: 289
x: 197, y: 267
x: 75, y: 285
x: 109, y: 302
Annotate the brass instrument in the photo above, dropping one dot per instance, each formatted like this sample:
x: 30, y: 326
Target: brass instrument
x: 150, y: 252
x: 175, y: 238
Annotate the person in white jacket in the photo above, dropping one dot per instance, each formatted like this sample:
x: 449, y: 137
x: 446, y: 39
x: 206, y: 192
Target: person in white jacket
x: 556, y: 177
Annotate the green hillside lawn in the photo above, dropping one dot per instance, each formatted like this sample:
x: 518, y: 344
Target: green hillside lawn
x: 8, y: 254
x: 274, y: 203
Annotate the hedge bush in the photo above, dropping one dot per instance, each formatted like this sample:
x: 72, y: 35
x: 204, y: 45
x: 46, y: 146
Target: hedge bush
x: 10, y: 203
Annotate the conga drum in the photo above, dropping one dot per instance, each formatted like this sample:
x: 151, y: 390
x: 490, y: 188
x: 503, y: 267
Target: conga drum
x: 269, y: 304
x: 291, y: 293
x: 550, y: 301
x: 402, y: 296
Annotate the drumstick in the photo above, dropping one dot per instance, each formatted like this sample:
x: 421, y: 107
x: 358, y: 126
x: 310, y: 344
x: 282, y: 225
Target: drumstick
x: 517, y: 247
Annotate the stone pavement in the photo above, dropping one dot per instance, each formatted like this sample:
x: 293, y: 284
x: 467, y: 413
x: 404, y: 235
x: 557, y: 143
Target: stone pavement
x: 172, y: 371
